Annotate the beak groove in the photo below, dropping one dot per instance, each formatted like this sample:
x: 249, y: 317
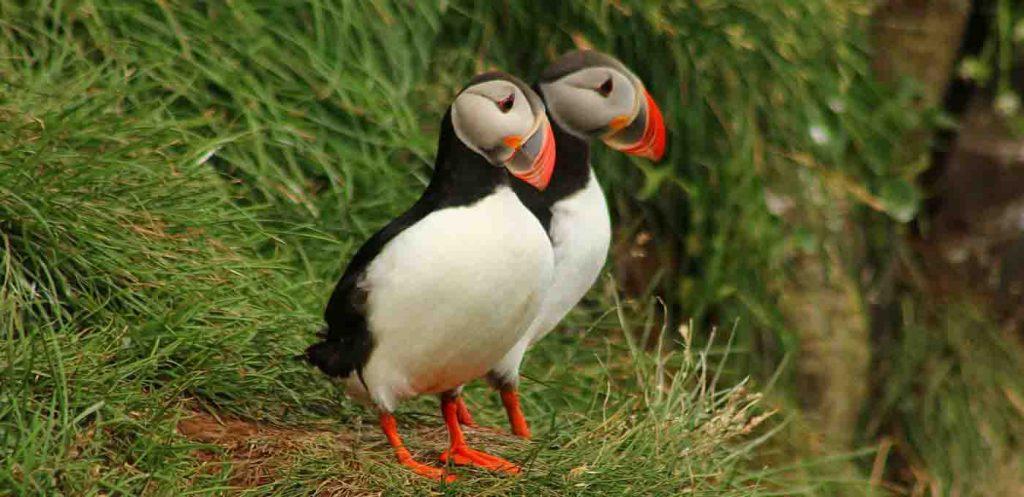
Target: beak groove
x: 538, y: 174
x: 652, y: 143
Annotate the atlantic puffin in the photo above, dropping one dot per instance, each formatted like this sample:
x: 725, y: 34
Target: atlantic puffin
x: 589, y: 95
x: 445, y: 290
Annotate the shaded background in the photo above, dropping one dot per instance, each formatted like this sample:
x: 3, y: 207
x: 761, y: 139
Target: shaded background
x: 843, y: 196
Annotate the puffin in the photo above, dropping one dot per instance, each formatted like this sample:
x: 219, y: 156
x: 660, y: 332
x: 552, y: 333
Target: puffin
x: 442, y: 292
x: 589, y: 95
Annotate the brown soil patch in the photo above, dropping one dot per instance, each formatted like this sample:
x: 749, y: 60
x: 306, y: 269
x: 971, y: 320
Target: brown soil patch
x: 255, y: 450
x: 258, y: 452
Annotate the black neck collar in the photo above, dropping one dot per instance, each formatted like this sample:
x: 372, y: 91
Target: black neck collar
x: 572, y: 169
x: 572, y: 153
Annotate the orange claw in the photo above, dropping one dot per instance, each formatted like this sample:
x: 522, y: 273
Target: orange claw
x: 516, y: 419
x: 459, y: 452
x: 390, y: 427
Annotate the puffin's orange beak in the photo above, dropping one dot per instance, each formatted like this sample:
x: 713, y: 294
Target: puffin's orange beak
x: 652, y: 143
x: 539, y: 150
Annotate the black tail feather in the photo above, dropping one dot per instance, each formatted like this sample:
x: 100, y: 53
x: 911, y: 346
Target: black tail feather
x: 337, y: 356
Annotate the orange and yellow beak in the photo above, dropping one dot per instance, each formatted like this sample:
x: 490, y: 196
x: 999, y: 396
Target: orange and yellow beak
x: 644, y: 136
x: 533, y: 160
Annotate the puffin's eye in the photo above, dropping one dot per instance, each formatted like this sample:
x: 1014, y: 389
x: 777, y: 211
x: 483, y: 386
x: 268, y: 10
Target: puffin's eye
x: 505, y: 104
x: 606, y: 88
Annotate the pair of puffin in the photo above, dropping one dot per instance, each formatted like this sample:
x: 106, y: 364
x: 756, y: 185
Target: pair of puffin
x: 509, y: 235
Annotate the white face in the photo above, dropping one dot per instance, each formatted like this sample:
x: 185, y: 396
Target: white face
x: 587, y: 102
x: 494, y: 118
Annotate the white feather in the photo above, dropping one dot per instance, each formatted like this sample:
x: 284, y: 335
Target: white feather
x: 451, y: 295
x: 580, y: 234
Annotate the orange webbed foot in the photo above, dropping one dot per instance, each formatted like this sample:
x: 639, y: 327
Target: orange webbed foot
x: 462, y: 455
x: 390, y: 428
x: 436, y: 474
x: 459, y: 452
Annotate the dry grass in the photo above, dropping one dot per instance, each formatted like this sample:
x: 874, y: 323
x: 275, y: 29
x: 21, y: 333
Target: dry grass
x: 258, y: 453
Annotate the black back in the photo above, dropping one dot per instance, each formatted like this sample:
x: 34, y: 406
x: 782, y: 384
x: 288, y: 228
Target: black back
x: 461, y: 177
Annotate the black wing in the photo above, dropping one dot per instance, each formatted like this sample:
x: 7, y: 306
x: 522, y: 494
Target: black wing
x: 346, y: 341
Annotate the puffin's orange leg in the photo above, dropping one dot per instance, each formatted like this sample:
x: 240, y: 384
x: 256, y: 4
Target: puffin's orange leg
x: 390, y: 427
x: 464, y: 417
x: 460, y: 453
x: 510, y: 397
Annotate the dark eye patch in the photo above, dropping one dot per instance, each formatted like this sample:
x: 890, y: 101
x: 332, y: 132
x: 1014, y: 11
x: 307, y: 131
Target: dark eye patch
x: 606, y: 88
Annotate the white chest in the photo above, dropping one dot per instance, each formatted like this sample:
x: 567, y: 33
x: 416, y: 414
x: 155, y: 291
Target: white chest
x: 450, y: 295
x: 580, y: 235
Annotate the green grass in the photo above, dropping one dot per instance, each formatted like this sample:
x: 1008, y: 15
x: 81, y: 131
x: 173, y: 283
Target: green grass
x: 145, y: 279
x: 133, y: 295
x: 180, y: 186
x: 955, y: 396
x: 129, y: 284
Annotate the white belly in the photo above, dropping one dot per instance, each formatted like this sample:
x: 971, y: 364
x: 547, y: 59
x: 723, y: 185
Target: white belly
x: 450, y: 295
x: 580, y: 235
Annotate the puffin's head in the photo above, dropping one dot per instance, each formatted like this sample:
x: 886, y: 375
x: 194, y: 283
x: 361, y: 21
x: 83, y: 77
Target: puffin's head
x: 592, y: 95
x: 499, y: 117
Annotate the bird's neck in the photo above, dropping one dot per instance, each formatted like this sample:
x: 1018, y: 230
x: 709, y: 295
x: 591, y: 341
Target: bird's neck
x: 572, y: 153
x: 572, y: 169
x: 574, y: 149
